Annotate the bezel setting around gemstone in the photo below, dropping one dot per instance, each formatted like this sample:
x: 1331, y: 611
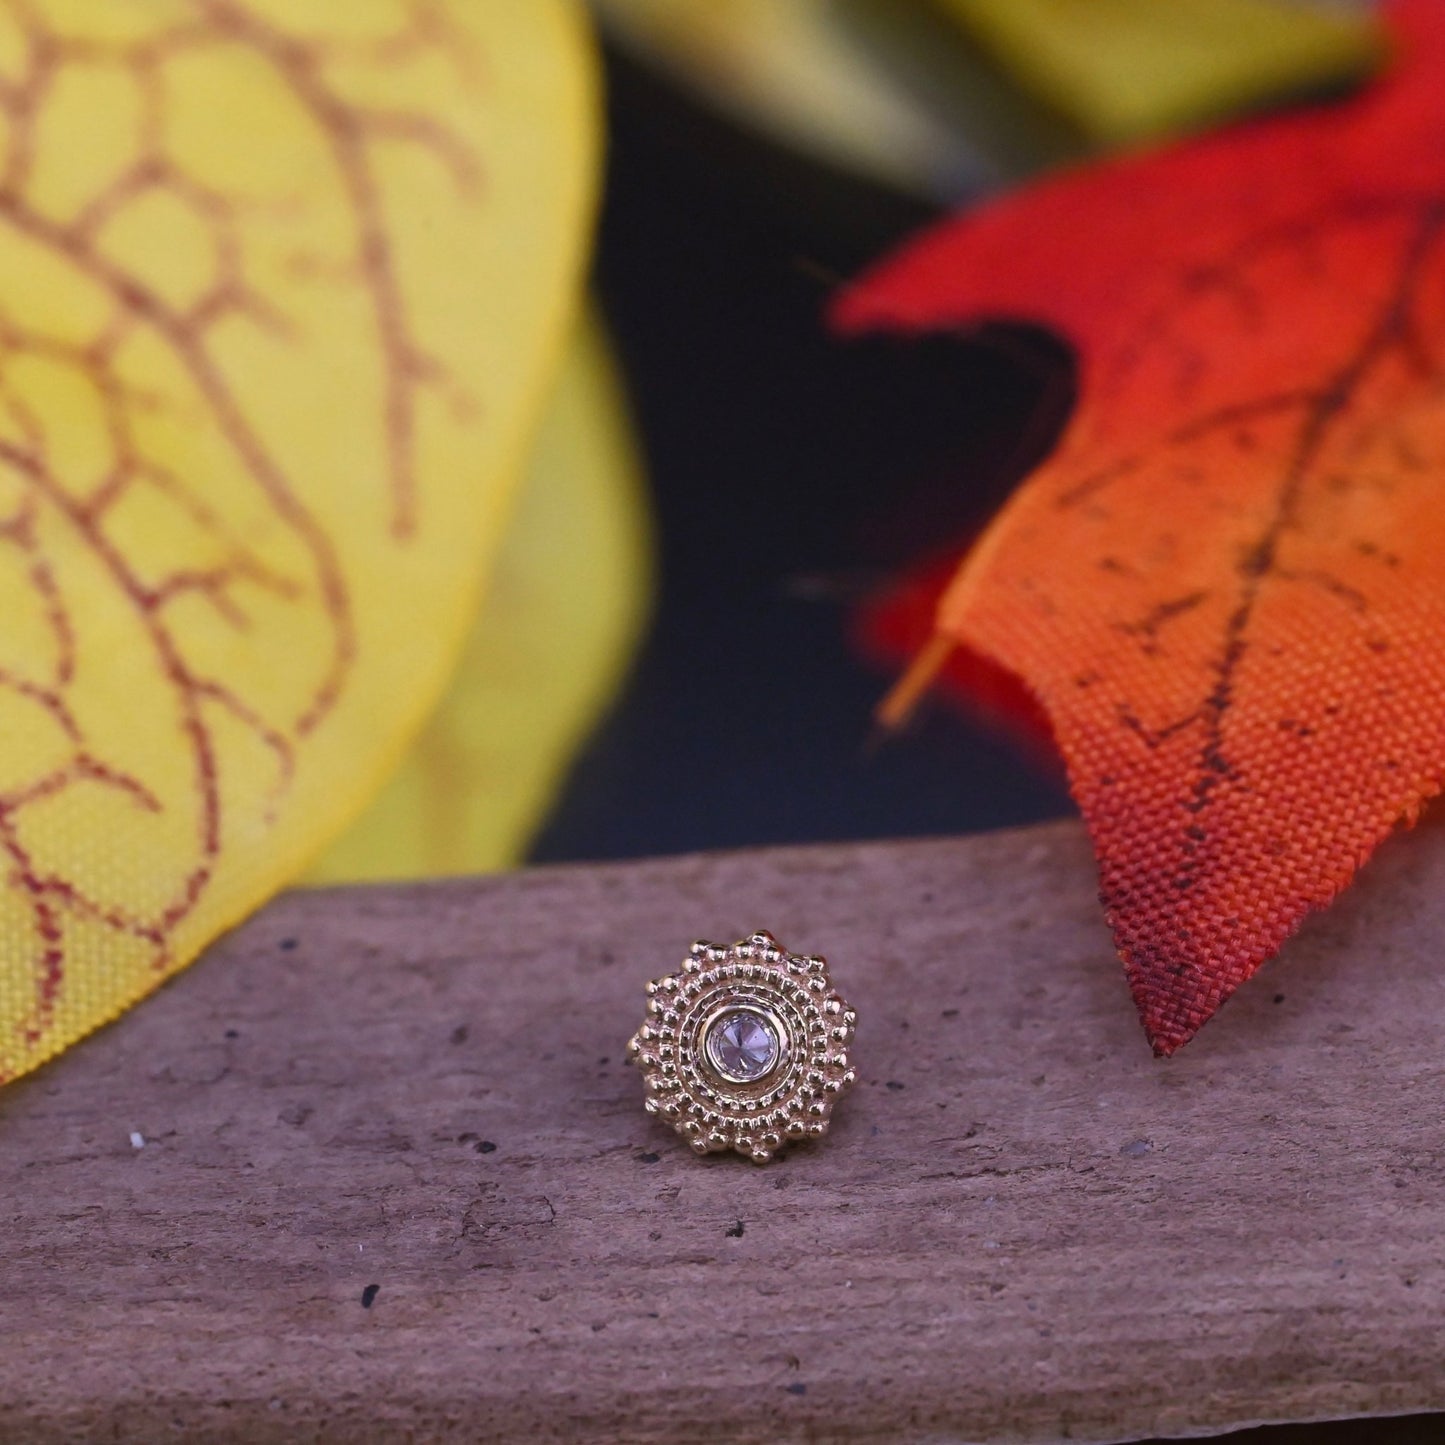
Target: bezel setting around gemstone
x: 743, y: 1043
x: 745, y: 1048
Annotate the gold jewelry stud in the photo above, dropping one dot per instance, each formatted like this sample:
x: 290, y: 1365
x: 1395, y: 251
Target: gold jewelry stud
x: 745, y: 1047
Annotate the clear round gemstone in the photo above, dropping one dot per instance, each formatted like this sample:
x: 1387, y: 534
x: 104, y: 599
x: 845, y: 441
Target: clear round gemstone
x: 742, y: 1045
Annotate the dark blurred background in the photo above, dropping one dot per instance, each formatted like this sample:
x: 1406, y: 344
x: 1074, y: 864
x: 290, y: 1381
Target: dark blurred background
x: 791, y: 474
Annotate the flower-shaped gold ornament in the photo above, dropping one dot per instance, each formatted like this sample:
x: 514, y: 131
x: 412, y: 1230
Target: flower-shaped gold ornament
x: 745, y: 1047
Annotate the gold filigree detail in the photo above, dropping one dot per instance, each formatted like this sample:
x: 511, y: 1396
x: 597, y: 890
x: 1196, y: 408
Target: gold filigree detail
x: 789, y: 1042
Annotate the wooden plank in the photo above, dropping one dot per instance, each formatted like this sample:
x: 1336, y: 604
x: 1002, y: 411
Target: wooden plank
x: 1023, y: 1227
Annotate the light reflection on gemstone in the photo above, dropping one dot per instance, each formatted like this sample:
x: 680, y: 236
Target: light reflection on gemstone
x: 742, y: 1045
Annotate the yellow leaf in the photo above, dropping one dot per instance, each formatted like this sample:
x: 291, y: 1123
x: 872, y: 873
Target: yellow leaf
x: 555, y: 632
x: 1128, y: 69
x: 281, y: 283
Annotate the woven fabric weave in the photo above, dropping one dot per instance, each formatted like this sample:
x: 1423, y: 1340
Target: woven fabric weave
x: 281, y: 289
x: 1227, y: 588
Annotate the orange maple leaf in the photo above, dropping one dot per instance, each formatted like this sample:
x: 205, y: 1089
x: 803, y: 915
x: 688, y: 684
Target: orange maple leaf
x: 1225, y: 588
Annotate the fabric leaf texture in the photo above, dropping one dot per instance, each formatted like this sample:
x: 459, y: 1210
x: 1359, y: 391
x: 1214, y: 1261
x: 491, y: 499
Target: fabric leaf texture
x: 563, y: 608
x: 1226, y: 587
x: 281, y: 284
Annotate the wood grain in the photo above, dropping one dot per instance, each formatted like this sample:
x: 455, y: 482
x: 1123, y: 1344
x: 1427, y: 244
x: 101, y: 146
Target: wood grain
x: 396, y: 1181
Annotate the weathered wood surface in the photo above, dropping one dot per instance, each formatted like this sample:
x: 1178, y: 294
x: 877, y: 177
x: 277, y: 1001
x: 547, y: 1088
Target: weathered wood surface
x: 1023, y: 1227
